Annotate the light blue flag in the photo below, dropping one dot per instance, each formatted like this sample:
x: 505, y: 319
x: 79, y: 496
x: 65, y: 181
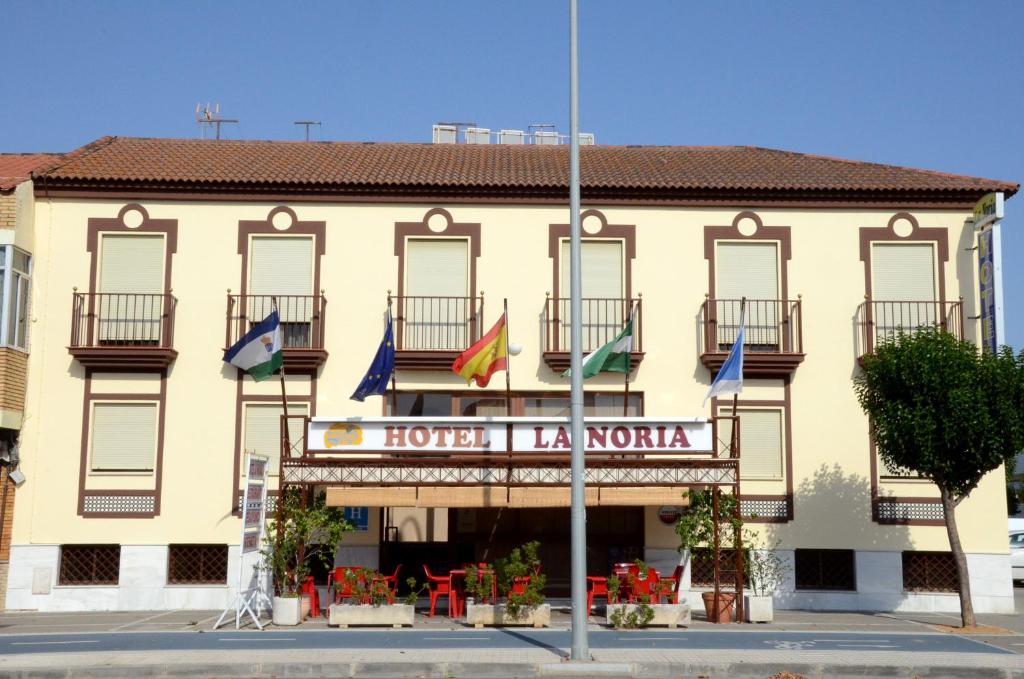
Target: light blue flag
x: 730, y: 377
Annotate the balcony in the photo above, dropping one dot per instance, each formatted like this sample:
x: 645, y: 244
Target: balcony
x: 881, y: 322
x: 773, y: 343
x: 430, y: 332
x: 302, y: 325
x: 118, y: 331
x: 603, y: 319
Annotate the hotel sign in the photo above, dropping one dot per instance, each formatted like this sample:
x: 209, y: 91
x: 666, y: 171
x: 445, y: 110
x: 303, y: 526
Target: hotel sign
x: 508, y: 434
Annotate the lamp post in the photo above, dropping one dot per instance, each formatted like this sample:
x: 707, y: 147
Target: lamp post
x: 578, y: 511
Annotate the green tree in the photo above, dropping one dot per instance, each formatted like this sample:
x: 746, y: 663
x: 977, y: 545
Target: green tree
x: 943, y: 409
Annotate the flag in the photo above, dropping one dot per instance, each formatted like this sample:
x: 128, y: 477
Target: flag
x: 612, y: 357
x: 486, y: 357
x: 258, y: 353
x: 730, y: 376
x: 379, y: 372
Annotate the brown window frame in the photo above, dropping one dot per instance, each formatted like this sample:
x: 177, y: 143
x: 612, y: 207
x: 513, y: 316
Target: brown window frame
x: 939, y: 572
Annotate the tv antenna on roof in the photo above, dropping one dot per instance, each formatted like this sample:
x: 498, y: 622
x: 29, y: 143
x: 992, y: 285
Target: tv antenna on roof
x: 208, y: 118
x: 308, y: 124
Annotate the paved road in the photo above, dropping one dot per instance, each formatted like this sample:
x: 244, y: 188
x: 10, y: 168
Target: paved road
x: 497, y: 639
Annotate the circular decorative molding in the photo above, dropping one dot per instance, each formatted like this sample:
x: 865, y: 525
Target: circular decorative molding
x: 747, y: 223
x: 282, y: 218
x: 903, y: 224
x: 133, y: 216
x: 438, y: 220
x: 592, y: 229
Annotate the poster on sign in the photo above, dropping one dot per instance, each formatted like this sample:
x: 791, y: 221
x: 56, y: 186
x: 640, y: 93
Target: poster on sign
x: 254, y: 504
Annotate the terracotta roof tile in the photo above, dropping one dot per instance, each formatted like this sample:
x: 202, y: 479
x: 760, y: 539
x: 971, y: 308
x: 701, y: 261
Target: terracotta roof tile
x: 16, y: 167
x: 498, y: 169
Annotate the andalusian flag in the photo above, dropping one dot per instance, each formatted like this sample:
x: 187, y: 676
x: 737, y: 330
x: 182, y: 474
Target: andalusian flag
x: 259, y: 352
x: 613, y: 357
x: 486, y: 357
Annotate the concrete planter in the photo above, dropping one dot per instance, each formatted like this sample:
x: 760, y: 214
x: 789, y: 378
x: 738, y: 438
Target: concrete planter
x: 394, y: 615
x: 287, y: 610
x: 480, y: 615
x: 665, y: 615
x: 758, y: 608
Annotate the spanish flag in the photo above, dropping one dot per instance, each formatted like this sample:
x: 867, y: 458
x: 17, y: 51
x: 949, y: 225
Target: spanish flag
x: 486, y: 357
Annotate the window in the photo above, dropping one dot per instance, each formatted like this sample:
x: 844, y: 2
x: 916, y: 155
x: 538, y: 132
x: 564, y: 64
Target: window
x: 827, y: 569
x: 281, y: 269
x: 437, y: 308
x: 751, y: 271
x: 124, y: 436
x: 903, y: 289
x: 197, y: 564
x: 441, y: 404
x: 131, y: 286
x: 594, y: 405
x: 761, y: 441
x: 929, y: 572
x: 89, y: 564
x: 15, y: 269
x: 603, y: 283
x: 263, y: 430
x: 702, y: 567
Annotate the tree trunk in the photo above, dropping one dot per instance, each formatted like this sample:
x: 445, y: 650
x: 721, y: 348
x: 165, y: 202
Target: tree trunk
x: 966, y: 606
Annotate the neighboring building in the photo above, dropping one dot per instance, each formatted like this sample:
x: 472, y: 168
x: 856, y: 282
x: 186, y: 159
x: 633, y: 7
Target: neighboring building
x: 17, y: 215
x: 156, y: 254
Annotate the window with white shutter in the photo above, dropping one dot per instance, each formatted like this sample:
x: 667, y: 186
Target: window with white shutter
x: 124, y: 436
x: 603, y: 285
x: 131, y: 283
x: 263, y: 430
x: 902, y: 287
x: 761, y: 442
x: 281, y: 269
x: 747, y: 270
x: 437, y: 308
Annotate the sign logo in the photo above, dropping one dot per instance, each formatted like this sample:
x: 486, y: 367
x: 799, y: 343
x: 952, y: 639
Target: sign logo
x: 343, y: 434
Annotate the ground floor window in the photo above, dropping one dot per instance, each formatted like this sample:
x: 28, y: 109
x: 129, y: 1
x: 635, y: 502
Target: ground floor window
x: 197, y: 564
x: 828, y: 569
x: 702, y: 567
x: 89, y: 565
x: 929, y: 572
x: 524, y: 403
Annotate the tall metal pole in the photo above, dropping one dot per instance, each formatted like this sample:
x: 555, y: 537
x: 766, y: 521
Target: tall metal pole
x: 580, y: 649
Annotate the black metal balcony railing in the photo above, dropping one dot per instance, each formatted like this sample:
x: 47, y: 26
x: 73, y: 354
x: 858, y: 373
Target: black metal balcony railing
x: 603, y: 319
x: 773, y: 326
x: 301, y: 318
x: 436, y: 323
x: 884, y: 321
x: 115, y: 319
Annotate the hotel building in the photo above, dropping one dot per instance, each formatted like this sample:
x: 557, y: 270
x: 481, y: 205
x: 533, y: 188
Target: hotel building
x: 151, y: 256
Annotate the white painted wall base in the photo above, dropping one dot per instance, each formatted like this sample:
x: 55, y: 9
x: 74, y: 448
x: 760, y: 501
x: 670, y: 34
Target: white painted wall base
x: 880, y: 588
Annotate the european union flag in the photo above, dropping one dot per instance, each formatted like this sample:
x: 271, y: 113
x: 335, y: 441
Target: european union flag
x: 376, y: 380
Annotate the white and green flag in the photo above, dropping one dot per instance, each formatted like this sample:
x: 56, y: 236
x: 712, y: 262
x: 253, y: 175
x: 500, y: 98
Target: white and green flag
x: 259, y: 352
x: 613, y: 357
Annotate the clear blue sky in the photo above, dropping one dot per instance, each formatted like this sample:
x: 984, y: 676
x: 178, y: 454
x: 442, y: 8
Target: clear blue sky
x: 932, y: 84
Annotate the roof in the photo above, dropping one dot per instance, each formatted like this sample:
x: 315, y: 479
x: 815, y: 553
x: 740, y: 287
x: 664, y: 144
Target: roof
x: 495, y: 170
x: 16, y: 167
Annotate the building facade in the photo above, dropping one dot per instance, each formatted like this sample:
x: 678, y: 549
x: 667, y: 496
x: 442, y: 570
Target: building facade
x: 153, y: 255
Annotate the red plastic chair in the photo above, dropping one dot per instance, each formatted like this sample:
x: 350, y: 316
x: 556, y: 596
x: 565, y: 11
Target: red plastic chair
x: 439, y: 586
x: 309, y: 589
x: 668, y: 586
x: 646, y: 588
x: 596, y: 586
x: 392, y: 580
x: 343, y: 590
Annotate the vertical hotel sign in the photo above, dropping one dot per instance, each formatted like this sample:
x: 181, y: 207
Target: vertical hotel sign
x: 987, y: 213
x: 254, y: 503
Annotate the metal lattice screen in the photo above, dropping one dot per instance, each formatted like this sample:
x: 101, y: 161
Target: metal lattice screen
x: 89, y: 564
x: 929, y: 572
x: 702, y: 568
x: 197, y: 564
x: 828, y: 569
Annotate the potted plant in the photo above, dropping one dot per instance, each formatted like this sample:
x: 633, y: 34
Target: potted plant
x: 368, y: 600
x: 644, y: 608
x: 300, y: 533
x: 520, y: 581
x: 765, y: 571
x: 696, y: 530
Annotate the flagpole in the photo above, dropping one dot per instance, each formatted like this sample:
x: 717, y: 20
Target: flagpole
x: 508, y: 367
x: 279, y: 505
x: 629, y: 360
x: 579, y: 650
x: 394, y: 382
x: 737, y: 535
